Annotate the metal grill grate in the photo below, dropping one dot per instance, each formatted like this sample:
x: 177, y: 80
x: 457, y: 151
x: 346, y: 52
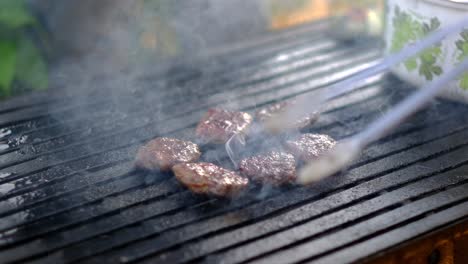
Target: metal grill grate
x: 74, y: 197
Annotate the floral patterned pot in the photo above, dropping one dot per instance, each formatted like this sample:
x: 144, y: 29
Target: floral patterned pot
x: 411, y: 20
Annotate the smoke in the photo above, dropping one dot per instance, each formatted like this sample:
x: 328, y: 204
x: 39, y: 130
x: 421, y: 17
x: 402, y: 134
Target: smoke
x: 122, y: 51
x: 128, y: 71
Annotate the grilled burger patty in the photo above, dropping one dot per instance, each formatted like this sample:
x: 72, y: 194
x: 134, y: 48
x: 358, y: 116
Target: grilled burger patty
x: 273, y: 168
x: 162, y: 153
x: 207, y: 178
x: 218, y: 125
x: 307, y: 147
x: 264, y: 114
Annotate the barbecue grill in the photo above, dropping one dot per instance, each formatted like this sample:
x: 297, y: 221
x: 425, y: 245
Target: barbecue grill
x: 69, y: 192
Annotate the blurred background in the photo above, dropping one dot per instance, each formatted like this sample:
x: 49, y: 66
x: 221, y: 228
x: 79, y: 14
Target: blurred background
x: 44, y: 40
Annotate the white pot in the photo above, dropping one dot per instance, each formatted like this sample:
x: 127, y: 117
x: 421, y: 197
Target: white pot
x: 410, y: 20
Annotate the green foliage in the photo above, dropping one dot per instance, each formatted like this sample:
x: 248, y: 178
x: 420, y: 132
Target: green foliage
x: 14, y: 15
x: 428, y: 66
x: 7, y: 65
x: 409, y: 30
x: 405, y: 30
x: 20, y: 60
x: 462, y: 46
x: 464, y: 81
x: 411, y: 64
x: 31, y: 69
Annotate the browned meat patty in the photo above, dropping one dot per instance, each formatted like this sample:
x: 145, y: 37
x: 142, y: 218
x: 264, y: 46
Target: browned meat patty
x: 207, y: 178
x: 309, y: 146
x: 273, y: 168
x: 163, y: 153
x: 218, y: 125
x: 266, y: 113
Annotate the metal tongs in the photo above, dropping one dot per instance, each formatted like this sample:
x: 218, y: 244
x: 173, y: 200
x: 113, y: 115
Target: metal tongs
x: 347, y: 150
x: 315, y: 100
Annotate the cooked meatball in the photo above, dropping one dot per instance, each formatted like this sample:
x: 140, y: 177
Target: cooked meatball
x: 264, y: 114
x: 273, y: 168
x: 207, y: 178
x: 309, y: 146
x: 218, y: 125
x: 162, y: 153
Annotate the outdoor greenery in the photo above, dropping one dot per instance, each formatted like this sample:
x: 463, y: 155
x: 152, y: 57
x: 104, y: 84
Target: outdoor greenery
x: 406, y: 29
x: 21, y: 61
x: 462, y: 46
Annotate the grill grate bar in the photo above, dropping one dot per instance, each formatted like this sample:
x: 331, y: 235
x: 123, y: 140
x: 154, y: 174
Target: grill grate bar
x: 76, y: 151
x: 314, y: 45
x: 134, y: 124
x: 13, y: 157
x: 36, y: 179
x: 114, y: 124
x: 350, y: 181
x: 433, y: 220
x: 74, y: 186
x: 321, y: 225
x: 271, y: 239
x: 250, y: 54
x: 32, y: 179
x: 355, y: 125
x: 116, y: 201
x: 440, y: 132
x: 326, y: 124
x: 413, y: 219
x: 389, y: 198
x: 76, y: 234
x: 78, y: 127
x: 33, y: 114
x: 17, y: 175
x: 62, y: 208
x: 143, y: 233
x: 298, y: 215
x: 367, y: 229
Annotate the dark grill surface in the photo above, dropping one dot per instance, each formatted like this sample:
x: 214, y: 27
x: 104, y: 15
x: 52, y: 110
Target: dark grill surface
x: 68, y: 191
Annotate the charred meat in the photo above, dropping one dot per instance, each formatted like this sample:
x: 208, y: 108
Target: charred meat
x: 207, y: 178
x: 309, y: 146
x: 162, y: 153
x: 274, y: 168
x: 218, y: 125
x: 264, y: 114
